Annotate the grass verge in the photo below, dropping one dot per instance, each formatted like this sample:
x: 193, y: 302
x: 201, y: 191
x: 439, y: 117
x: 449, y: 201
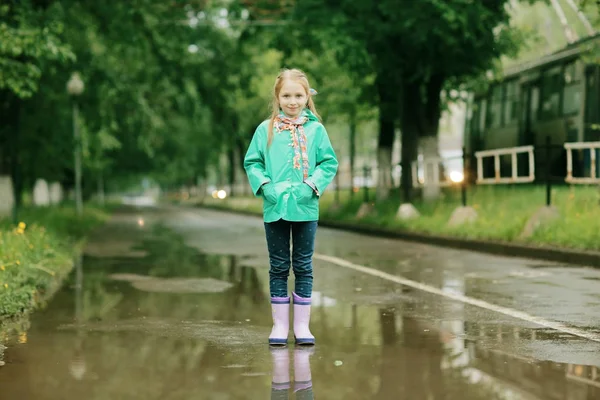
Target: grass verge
x: 503, y: 212
x: 36, y: 255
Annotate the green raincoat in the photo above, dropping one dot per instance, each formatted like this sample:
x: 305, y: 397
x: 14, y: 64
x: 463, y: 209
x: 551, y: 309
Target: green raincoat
x: 285, y: 193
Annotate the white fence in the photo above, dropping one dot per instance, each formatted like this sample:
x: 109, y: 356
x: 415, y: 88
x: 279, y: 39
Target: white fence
x: 592, y: 147
x: 431, y: 167
x: 429, y: 171
x: 513, y: 152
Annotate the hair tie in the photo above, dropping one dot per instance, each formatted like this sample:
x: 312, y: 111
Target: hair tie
x: 312, y: 92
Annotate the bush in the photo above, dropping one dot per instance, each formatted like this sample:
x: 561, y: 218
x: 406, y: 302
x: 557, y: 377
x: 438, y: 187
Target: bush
x: 37, y: 254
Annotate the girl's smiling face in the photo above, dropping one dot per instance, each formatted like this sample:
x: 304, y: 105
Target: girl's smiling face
x: 292, y: 98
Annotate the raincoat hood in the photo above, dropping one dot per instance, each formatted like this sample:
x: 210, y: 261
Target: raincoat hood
x: 305, y: 113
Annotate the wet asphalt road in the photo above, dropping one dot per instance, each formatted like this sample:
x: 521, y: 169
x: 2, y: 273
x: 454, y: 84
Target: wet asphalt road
x: 173, y: 303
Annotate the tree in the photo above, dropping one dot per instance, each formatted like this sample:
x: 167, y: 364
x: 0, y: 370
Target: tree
x: 269, y: 42
x: 153, y: 90
x: 31, y: 42
x: 416, y: 49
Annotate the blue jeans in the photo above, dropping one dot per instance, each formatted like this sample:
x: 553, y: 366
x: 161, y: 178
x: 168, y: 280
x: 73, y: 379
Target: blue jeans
x: 278, y: 243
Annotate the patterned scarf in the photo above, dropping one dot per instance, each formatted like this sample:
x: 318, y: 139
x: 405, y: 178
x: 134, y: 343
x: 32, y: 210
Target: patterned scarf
x: 295, y: 126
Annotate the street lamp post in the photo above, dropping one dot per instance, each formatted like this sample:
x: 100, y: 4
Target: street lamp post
x: 75, y: 87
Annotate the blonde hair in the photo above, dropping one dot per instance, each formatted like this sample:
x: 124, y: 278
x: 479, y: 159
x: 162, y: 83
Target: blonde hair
x: 295, y: 75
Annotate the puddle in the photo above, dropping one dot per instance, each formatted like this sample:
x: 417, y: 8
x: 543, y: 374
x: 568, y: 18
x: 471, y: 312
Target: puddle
x: 169, y: 321
x: 220, y: 333
x: 174, y: 285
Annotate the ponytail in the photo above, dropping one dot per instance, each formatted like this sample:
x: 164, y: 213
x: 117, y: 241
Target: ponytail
x: 270, y: 131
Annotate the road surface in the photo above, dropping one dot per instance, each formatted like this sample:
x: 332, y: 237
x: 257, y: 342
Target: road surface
x: 173, y: 303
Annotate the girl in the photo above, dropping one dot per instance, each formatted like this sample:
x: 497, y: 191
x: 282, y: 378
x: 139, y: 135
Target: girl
x: 290, y: 162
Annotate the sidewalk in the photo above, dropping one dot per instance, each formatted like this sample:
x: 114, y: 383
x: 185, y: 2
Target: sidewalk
x: 549, y: 253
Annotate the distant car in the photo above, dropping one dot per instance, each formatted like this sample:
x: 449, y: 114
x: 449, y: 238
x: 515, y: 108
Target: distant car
x: 139, y: 200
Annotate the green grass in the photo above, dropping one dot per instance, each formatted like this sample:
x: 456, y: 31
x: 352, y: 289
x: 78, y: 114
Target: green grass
x: 36, y: 255
x: 503, y: 212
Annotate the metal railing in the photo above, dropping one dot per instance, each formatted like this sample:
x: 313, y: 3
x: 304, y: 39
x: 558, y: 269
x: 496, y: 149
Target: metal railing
x: 592, y: 147
x: 513, y: 152
x: 469, y: 169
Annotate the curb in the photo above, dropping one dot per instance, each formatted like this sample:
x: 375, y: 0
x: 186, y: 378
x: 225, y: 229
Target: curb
x: 505, y: 249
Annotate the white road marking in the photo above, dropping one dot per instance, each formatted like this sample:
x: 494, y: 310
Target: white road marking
x: 465, y: 299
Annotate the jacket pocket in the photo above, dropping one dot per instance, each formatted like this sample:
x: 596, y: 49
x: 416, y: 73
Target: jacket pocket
x: 304, y: 194
x: 269, y: 193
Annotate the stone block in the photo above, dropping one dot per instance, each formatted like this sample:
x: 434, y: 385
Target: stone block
x: 41, y: 193
x: 540, y: 217
x: 56, y: 193
x: 462, y: 215
x: 7, y: 197
x: 334, y: 207
x: 364, y: 210
x: 407, y: 211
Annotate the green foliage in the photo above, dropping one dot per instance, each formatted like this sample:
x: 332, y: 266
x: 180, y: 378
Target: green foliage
x: 37, y: 254
x: 541, y: 30
x: 456, y: 39
x: 169, y: 87
x: 30, y: 41
x: 154, y: 100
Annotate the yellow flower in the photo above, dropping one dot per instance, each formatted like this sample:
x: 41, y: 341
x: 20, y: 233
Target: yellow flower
x: 22, y: 225
x: 18, y: 262
x: 2, y: 267
x: 6, y: 285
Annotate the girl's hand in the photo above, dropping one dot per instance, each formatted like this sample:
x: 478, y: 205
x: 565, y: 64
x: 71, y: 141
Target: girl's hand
x: 268, y: 190
x: 306, y: 192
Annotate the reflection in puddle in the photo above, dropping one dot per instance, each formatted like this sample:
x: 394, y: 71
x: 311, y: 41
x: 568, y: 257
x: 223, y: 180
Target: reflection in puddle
x: 174, y: 285
x: 281, y: 382
x: 195, y: 325
x: 218, y: 332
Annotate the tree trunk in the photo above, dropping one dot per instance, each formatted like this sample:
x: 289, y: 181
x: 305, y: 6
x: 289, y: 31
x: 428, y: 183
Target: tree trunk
x: 410, y: 151
x: 420, y: 121
x: 352, y: 150
x: 387, y: 119
x: 100, y: 187
x: 241, y: 153
x: 429, y: 147
x: 231, y: 170
x: 409, y: 137
x: 15, y: 161
x: 384, y: 173
x: 430, y: 114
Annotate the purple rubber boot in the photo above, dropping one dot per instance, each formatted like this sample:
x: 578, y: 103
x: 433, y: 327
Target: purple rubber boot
x: 302, y: 320
x: 302, y: 376
x: 280, y: 381
x: 280, y: 310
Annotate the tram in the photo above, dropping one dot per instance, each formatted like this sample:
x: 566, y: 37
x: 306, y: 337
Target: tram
x: 556, y: 96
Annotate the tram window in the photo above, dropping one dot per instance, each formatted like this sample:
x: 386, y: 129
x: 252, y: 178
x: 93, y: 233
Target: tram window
x: 495, y: 108
x: 482, y: 113
x: 534, y: 103
x: 572, y: 90
x: 550, y: 101
x: 472, y: 128
x: 511, y: 102
x: 572, y: 99
x: 473, y: 116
